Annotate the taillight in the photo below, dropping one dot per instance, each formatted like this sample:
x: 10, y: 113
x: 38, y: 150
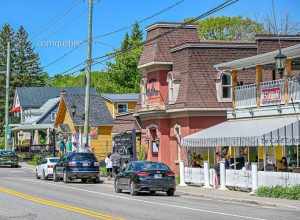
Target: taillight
x: 50, y: 166
x: 96, y: 164
x: 171, y: 174
x: 142, y: 173
x: 72, y: 164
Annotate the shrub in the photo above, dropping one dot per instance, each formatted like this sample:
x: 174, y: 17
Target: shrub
x: 292, y: 193
x: 142, y: 153
x: 35, y: 161
x: 2, y: 144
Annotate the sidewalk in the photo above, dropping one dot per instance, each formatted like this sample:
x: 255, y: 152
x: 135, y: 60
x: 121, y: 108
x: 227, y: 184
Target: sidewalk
x: 224, y: 195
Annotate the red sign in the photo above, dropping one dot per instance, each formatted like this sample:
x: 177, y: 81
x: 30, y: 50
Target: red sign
x: 271, y: 94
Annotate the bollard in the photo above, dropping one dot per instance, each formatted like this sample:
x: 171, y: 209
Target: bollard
x: 206, y: 175
x: 222, y: 176
x: 181, y: 170
x: 254, y: 175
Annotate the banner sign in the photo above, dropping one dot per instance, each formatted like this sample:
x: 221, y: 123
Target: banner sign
x: 270, y: 94
x: 123, y: 144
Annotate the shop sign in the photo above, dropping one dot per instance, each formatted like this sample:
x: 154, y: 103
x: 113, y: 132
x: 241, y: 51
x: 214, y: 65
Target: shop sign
x: 270, y: 94
x: 123, y: 144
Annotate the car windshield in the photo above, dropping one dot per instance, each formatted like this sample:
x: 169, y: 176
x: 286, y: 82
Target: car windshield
x: 82, y: 157
x: 55, y: 160
x: 152, y: 166
x: 7, y: 153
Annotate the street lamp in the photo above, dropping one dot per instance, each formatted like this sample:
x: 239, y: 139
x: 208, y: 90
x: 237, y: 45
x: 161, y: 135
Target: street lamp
x: 280, y: 60
x: 73, y: 109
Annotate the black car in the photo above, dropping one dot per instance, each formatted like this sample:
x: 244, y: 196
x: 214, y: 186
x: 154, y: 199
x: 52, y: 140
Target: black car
x: 73, y: 165
x: 146, y: 176
x: 9, y: 157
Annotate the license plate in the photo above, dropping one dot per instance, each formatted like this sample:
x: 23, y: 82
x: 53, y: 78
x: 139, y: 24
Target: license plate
x: 85, y: 164
x: 157, y: 176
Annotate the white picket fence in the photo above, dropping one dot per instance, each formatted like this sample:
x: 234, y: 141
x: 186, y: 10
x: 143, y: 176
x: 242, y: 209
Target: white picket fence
x: 243, y: 179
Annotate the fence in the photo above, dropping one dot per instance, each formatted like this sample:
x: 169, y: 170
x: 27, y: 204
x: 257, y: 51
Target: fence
x: 243, y: 178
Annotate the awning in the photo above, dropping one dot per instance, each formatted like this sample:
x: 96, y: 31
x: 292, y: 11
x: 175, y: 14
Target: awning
x: 16, y: 109
x: 30, y: 127
x: 248, y: 132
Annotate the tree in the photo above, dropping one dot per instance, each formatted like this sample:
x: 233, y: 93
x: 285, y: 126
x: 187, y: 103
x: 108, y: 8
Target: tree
x: 25, y: 65
x: 285, y: 23
x: 228, y: 28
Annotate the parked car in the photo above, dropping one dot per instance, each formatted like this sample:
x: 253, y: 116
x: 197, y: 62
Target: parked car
x: 44, y: 169
x: 73, y: 165
x: 9, y: 158
x: 146, y: 176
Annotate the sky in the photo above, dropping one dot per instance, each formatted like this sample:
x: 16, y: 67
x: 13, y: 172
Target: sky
x: 56, y: 27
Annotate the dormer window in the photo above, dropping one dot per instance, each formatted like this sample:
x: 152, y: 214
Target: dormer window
x: 173, y: 88
x: 224, y: 87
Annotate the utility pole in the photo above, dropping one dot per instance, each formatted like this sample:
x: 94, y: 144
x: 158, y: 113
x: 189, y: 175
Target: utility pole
x: 7, y: 96
x: 88, y: 76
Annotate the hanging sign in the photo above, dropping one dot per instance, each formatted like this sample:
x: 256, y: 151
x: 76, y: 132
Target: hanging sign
x: 270, y: 94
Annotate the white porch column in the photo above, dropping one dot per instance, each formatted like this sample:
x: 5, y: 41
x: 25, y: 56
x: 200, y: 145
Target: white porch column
x: 254, y: 178
x: 181, y: 171
x: 206, y: 175
x: 222, y: 175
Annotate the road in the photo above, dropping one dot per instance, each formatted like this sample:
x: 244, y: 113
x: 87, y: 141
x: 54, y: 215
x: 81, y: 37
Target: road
x: 24, y: 197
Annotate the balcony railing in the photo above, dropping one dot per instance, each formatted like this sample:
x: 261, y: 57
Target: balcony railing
x: 245, y: 96
x: 270, y: 93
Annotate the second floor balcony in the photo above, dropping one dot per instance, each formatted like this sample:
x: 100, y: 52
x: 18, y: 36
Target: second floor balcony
x: 270, y: 93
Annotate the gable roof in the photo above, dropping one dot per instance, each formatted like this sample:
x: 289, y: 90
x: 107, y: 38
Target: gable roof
x: 35, y: 97
x: 121, y: 97
x: 99, y: 113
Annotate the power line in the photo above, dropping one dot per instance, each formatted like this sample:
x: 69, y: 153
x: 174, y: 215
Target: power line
x: 109, y: 56
x: 114, y: 32
x: 55, y: 19
x: 66, y: 25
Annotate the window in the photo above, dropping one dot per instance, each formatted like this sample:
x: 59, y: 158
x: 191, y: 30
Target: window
x: 53, y: 116
x: 122, y: 108
x: 143, y: 92
x: 226, y: 85
x: 173, y: 85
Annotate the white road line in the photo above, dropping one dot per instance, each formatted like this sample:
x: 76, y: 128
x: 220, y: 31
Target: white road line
x: 149, y: 202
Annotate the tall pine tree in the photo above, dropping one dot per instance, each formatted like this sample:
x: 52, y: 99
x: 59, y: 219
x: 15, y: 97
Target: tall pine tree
x: 25, y: 65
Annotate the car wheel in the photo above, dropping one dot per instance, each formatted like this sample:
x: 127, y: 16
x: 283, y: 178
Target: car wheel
x: 117, y: 189
x: 170, y: 192
x: 65, y: 177
x: 55, y: 178
x: 133, y: 191
x: 83, y: 180
x: 152, y: 192
x: 96, y: 180
x: 36, y: 175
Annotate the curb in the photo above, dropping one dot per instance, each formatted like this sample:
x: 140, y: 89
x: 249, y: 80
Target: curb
x: 237, y: 200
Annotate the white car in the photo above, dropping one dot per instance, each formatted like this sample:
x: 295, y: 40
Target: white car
x: 44, y: 169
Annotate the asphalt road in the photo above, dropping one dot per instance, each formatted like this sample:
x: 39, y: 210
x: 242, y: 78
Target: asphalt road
x: 24, y: 197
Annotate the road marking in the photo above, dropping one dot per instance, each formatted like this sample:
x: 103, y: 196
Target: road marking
x: 149, y: 202
x: 60, y: 205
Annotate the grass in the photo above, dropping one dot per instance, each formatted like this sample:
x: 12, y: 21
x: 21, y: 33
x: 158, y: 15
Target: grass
x: 292, y: 193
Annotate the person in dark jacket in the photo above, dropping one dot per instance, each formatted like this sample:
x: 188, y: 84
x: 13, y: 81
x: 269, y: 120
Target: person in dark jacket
x: 116, y: 162
x: 270, y: 166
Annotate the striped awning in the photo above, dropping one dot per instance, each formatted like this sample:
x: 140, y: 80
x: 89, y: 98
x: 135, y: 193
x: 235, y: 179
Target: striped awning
x: 271, y: 131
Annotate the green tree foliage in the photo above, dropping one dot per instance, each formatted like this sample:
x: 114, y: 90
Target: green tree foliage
x: 25, y: 65
x: 121, y: 74
x: 228, y: 28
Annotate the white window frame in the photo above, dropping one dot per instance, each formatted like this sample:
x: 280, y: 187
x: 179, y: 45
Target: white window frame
x: 122, y: 104
x: 51, y: 116
x: 143, y: 86
x: 220, y: 86
x: 173, y: 88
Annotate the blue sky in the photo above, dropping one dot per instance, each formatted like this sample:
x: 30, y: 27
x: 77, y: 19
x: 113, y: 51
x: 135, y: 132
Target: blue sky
x: 110, y: 15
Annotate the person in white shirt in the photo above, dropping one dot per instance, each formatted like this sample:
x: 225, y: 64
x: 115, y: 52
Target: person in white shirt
x: 108, y: 163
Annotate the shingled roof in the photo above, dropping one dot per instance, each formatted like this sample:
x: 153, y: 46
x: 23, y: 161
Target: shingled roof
x: 125, y: 121
x: 35, y: 97
x: 99, y: 113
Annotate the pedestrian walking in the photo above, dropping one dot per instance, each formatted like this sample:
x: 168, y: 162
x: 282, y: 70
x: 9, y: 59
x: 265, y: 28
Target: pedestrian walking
x: 116, y: 162
x: 108, y: 164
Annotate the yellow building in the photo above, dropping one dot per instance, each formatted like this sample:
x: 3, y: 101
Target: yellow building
x: 118, y: 103
x: 70, y: 121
